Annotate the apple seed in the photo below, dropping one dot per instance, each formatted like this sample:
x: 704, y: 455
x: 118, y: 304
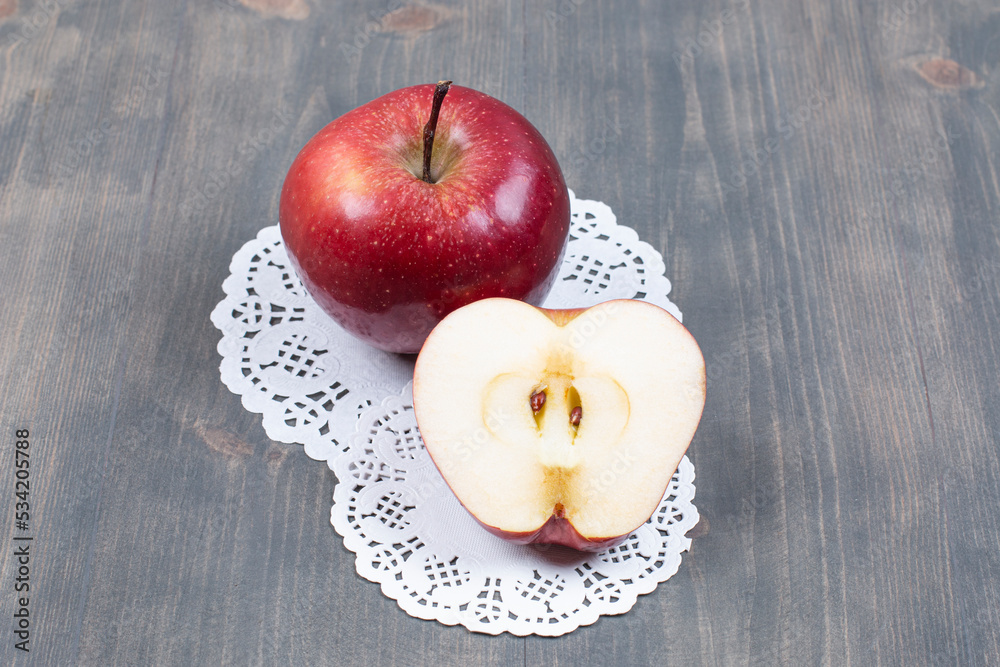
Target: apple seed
x: 537, y: 400
x: 575, y: 415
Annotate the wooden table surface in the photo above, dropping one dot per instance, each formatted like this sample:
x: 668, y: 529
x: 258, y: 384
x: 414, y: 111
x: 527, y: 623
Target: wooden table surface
x: 820, y: 177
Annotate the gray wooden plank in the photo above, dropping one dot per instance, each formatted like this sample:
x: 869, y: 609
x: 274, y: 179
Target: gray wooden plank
x: 757, y: 161
x: 75, y: 178
x: 837, y: 262
x: 947, y: 222
x: 215, y: 544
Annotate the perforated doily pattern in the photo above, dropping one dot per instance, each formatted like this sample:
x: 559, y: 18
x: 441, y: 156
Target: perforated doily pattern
x: 317, y: 385
x: 412, y: 536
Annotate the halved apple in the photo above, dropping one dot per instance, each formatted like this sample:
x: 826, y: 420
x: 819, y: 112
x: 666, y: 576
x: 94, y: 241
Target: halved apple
x: 559, y: 426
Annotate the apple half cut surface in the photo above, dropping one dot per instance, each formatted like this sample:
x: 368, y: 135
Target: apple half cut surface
x: 559, y: 426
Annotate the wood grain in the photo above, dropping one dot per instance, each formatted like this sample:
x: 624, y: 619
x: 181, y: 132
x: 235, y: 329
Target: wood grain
x: 821, y: 179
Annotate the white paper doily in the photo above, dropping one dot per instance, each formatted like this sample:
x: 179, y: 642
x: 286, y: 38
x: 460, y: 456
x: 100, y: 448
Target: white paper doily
x: 349, y: 405
x: 412, y: 536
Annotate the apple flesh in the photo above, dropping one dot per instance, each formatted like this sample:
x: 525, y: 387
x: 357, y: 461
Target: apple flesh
x: 559, y: 426
x: 387, y: 254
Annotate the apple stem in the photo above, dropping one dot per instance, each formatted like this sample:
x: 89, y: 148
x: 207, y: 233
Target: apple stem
x: 440, y: 90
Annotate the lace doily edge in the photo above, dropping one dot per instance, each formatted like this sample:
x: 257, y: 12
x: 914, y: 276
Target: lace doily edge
x: 585, y: 616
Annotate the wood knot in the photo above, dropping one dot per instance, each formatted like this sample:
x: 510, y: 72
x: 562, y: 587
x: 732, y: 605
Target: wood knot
x: 223, y: 442
x: 7, y: 8
x: 295, y: 10
x: 699, y: 529
x: 948, y: 74
x: 276, y: 456
x: 414, y: 18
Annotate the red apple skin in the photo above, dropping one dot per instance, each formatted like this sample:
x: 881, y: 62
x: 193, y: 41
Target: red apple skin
x: 557, y: 530
x: 388, y: 255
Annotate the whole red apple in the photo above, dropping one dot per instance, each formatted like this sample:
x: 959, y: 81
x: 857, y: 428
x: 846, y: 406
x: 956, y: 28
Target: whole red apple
x: 420, y: 202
